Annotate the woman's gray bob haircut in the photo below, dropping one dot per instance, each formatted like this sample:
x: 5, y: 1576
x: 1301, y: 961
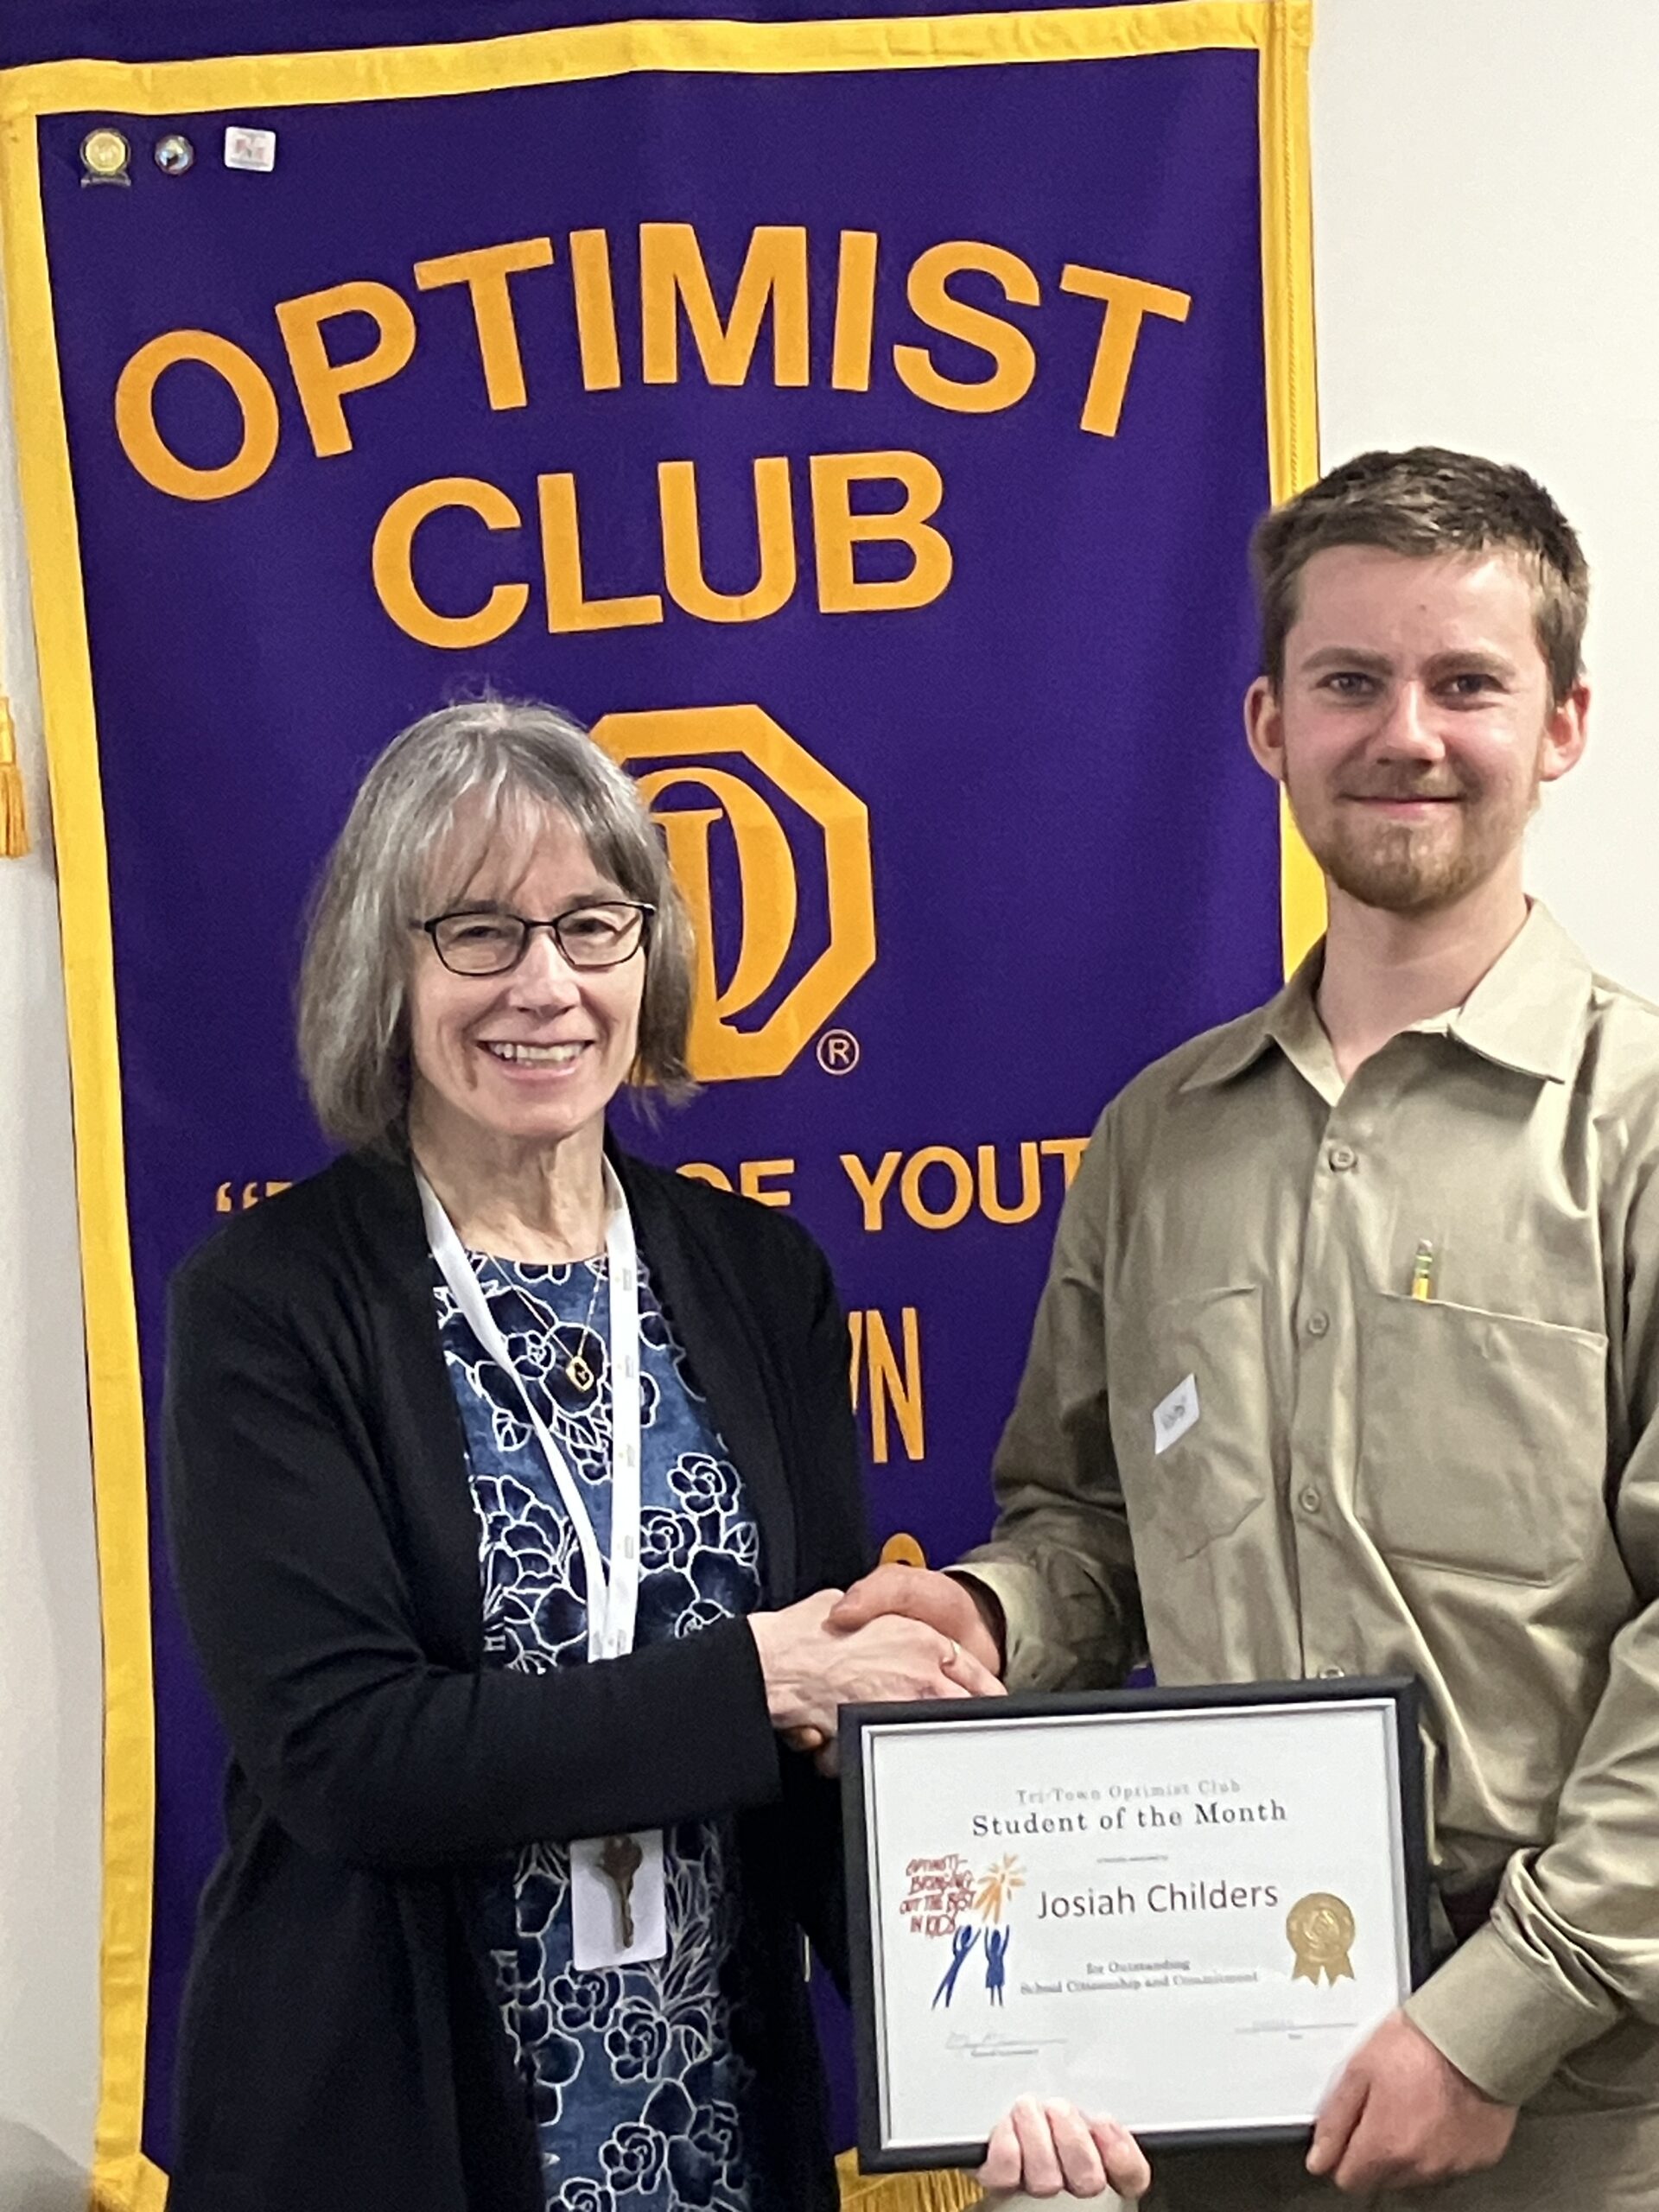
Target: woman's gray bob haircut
x: 440, y: 799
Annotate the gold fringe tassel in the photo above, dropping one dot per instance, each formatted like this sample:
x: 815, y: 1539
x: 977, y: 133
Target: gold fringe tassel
x: 948, y: 2191
x: 14, y: 818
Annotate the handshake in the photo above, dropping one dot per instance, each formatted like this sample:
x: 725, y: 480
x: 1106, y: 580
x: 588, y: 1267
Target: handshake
x: 902, y: 1633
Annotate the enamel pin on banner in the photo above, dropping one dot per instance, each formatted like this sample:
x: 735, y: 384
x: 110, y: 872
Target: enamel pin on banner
x: 1184, y: 1908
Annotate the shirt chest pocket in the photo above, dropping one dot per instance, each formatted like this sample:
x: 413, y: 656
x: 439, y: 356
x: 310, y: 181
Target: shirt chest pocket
x: 1204, y: 1393
x: 1482, y: 1443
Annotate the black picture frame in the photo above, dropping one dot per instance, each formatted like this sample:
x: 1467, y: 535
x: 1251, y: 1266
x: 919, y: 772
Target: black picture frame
x: 857, y: 1721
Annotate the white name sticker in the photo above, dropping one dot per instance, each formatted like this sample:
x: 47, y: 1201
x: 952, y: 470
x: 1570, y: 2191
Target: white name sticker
x: 619, y: 1905
x: 250, y: 149
x: 1172, y: 1416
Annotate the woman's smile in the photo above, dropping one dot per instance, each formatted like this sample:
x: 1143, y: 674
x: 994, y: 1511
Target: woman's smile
x: 541, y: 1059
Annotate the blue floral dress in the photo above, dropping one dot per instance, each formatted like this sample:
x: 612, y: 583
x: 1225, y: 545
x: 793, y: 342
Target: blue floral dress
x: 640, y: 2101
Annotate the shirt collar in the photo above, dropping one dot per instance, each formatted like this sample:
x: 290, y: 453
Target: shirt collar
x: 1285, y: 1021
x: 1527, y: 1012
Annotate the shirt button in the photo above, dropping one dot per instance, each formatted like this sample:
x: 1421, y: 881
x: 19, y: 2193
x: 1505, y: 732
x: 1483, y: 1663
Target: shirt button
x: 1331, y: 1673
x: 1317, y: 1323
x: 1342, y: 1157
x: 1310, y: 1499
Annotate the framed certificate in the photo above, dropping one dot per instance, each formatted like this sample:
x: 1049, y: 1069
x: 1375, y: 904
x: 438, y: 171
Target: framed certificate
x: 1184, y: 1908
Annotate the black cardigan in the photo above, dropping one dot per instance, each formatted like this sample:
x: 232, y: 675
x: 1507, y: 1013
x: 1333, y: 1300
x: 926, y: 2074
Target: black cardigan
x: 341, y: 2049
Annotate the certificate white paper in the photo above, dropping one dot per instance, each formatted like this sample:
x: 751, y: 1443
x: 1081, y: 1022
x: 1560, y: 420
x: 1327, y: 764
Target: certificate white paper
x: 1186, y: 1917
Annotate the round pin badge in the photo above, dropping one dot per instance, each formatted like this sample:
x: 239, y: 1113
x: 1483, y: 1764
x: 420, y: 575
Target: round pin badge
x: 175, y: 154
x: 103, y: 154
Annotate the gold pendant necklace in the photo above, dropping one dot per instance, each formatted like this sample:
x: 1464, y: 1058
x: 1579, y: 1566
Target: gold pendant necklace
x: 578, y: 1373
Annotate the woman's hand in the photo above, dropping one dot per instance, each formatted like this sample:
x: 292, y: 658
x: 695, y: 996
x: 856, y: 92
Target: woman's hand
x: 811, y: 1669
x: 1050, y: 2148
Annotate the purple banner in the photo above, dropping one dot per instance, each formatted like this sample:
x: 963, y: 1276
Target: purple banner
x: 866, y: 436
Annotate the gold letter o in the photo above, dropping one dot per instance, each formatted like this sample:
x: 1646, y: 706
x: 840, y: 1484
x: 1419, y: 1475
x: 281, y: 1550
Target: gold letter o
x: 155, y: 461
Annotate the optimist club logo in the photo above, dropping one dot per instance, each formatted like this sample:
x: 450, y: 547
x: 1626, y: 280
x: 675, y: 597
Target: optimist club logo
x: 774, y: 865
x: 944, y: 1899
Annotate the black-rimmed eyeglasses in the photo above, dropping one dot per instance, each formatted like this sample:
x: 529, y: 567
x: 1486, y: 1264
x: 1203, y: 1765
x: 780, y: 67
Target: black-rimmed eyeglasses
x: 490, y: 941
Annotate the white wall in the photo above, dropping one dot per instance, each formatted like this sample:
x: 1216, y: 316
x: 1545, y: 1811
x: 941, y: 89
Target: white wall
x: 1487, y: 210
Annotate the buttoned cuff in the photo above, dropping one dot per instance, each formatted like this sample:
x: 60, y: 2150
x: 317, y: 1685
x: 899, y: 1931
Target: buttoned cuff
x: 1032, y: 1660
x: 1503, y: 2024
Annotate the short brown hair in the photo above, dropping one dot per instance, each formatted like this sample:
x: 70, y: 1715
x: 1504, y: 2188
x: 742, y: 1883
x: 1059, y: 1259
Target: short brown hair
x: 1421, y: 503
x: 498, y: 765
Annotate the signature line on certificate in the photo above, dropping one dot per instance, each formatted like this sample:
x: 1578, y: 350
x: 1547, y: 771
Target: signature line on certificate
x: 1135, y: 1859
x: 995, y: 2046
x: 1298, y: 2028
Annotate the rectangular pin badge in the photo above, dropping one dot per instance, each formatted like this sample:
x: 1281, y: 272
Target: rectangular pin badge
x: 250, y: 149
x: 1172, y: 1416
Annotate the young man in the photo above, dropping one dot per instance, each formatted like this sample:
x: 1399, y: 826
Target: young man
x: 1401, y: 1226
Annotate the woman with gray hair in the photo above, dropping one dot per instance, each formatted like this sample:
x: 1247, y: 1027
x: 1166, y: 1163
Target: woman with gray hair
x: 510, y: 1480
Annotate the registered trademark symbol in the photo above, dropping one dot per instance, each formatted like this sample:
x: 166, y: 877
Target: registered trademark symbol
x: 837, y: 1051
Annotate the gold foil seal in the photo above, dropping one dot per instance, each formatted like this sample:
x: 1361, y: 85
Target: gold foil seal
x: 1320, y: 1929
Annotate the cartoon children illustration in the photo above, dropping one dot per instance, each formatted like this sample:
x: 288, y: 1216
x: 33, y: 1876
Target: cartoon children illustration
x: 997, y: 1952
x: 961, y: 1942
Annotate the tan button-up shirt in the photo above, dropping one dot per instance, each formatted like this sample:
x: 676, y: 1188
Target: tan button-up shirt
x: 1462, y: 1485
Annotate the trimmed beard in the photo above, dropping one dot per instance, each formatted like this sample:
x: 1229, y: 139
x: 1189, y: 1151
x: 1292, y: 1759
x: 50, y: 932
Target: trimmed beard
x: 1397, y: 869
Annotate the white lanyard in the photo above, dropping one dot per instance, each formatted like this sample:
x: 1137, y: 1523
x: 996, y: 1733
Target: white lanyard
x: 612, y: 1595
